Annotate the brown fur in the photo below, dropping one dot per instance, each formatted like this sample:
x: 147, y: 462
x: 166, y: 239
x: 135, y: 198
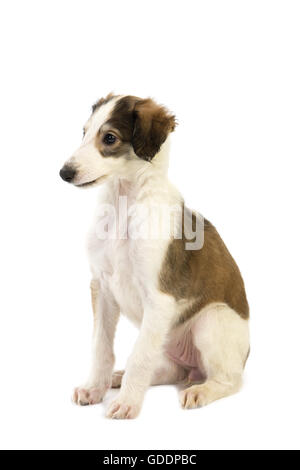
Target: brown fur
x: 120, y: 123
x: 102, y: 101
x: 152, y: 126
x: 141, y: 123
x: 203, y: 276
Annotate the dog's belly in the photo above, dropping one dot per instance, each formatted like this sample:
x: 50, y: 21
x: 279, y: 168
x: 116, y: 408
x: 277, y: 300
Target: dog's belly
x: 181, y: 349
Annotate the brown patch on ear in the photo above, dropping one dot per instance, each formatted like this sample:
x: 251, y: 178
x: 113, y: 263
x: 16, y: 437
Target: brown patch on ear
x: 152, y: 124
x: 102, y: 101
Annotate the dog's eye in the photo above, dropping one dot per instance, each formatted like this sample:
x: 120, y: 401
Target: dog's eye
x: 109, y: 139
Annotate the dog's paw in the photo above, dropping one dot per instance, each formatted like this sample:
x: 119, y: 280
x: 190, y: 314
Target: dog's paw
x: 88, y: 396
x: 194, y: 397
x: 121, y: 408
x: 117, y: 378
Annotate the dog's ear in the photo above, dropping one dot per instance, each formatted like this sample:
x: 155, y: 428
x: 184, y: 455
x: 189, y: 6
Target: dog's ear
x: 152, y: 124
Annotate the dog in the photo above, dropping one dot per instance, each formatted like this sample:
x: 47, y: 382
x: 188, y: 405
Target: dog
x: 189, y: 302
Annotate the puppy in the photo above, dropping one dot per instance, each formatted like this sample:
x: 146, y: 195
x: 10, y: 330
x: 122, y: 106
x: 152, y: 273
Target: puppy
x: 180, y: 286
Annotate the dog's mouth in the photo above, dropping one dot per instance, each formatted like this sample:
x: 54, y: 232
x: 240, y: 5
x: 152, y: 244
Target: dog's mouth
x: 91, y: 183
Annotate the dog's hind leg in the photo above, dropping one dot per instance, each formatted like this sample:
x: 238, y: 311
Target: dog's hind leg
x: 222, y: 337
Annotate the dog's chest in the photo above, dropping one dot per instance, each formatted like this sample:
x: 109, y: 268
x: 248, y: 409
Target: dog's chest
x: 128, y: 266
x: 115, y: 263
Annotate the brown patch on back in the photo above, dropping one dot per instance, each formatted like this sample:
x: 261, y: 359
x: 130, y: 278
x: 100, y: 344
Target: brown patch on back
x: 203, y: 276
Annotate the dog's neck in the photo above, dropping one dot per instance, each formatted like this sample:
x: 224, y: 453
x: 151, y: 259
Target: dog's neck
x: 146, y: 183
x: 147, y: 188
x: 147, y: 178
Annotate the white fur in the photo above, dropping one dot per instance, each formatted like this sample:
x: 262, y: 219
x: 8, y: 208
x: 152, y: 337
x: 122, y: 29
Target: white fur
x: 222, y: 337
x: 125, y: 276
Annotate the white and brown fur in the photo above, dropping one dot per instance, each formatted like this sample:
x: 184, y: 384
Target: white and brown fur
x: 190, y: 306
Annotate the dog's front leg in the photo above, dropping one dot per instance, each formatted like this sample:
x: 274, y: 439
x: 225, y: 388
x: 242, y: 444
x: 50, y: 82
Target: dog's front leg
x: 142, y: 362
x: 106, y: 314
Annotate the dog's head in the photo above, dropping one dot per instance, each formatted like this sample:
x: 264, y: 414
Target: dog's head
x: 123, y: 133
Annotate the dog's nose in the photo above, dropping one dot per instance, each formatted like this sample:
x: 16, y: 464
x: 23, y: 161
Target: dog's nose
x: 67, y: 173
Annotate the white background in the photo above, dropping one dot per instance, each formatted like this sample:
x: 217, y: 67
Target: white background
x: 230, y: 72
